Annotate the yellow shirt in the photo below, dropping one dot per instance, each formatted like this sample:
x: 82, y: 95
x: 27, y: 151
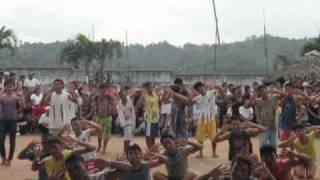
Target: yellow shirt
x: 306, y: 149
x: 53, y: 166
x: 151, y: 108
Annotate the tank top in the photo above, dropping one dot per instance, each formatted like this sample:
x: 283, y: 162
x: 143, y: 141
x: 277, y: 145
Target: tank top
x: 239, y: 145
x: 151, y: 108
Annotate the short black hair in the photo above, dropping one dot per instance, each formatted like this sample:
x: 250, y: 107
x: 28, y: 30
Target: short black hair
x: 261, y: 87
x: 178, y: 81
x: 197, y: 85
x: 134, y: 147
x: 165, y: 136
x: 74, y: 158
x: 54, y: 140
x: 77, y: 118
x: 299, y: 126
x: 103, y: 86
x: 6, y: 83
x: 235, y: 118
x: 147, y: 84
x: 267, y: 149
x: 59, y: 81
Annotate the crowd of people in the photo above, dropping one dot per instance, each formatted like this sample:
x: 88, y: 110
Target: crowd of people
x: 284, y: 114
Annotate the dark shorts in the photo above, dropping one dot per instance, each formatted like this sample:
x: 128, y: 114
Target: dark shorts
x: 152, y: 130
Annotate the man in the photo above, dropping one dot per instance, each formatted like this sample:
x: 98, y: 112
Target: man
x: 204, y: 112
x: 178, y: 123
x: 127, y: 118
x: 10, y: 102
x: 58, y: 100
x: 83, y: 130
x: 239, y: 137
x: 241, y: 169
x: 102, y: 111
x: 246, y: 111
x: 176, y: 160
x: 75, y: 166
x: 304, y: 143
x: 265, y: 110
x: 30, y: 83
x: 151, y: 103
x: 281, y: 168
x: 55, y: 164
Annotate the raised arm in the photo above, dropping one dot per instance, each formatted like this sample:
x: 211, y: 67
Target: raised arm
x: 287, y: 143
x: 96, y: 129
x: 255, y: 129
x: 87, y: 148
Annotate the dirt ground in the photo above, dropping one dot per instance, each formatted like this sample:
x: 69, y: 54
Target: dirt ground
x: 20, y: 170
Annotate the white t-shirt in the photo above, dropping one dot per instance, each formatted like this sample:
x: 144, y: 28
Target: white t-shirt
x: 246, y: 112
x: 85, y: 138
x: 44, y: 120
x: 203, y: 109
x: 36, y: 99
x: 59, y: 110
x: 31, y: 83
x: 126, y: 113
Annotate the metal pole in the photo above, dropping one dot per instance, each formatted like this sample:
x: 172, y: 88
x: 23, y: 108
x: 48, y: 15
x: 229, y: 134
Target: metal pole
x: 128, y: 62
x: 265, y: 44
x: 217, y: 38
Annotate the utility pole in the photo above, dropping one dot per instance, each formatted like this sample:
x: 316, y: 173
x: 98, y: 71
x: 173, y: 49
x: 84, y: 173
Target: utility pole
x: 265, y: 44
x: 217, y: 37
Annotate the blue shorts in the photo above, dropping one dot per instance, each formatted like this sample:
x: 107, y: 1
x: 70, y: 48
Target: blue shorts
x: 152, y: 130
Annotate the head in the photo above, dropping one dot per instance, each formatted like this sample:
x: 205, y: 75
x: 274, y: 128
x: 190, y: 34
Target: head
x: 247, y: 89
x: 268, y: 154
x: 200, y: 87
x: 134, y: 154
x: 45, y: 137
x: 148, y: 87
x: 22, y: 78
x: 76, y: 125
x: 261, y: 91
x: 58, y: 85
x: 9, y: 86
x: 76, y: 168
x: 168, y: 142
x: 55, y: 148
x: 123, y: 95
x: 240, y: 168
x: 178, y: 82
x: 30, y: 76
x: 12, y: 76
x: 103, y: 88
x: 236, y: 124
x: 300, y: 131
x: 289, y: 89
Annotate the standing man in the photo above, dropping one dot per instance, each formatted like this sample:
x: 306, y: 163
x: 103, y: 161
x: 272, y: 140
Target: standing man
x: 102, y: 108
x: 127, y: 118
x: 30, y: 83
x: 58, y: 100
x: 265, y: 109
x: 150, y: 100
x: 10, y: 102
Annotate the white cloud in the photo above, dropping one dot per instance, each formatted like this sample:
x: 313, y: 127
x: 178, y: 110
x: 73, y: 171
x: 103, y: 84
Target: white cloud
x: 177, y: 21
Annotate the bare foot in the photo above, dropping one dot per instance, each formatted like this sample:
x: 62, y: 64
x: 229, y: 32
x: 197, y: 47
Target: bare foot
x: 215, y: 156
x: 3, y: 162
x: 8, y: 163
x: 103, y: 152
x: 199, y: 156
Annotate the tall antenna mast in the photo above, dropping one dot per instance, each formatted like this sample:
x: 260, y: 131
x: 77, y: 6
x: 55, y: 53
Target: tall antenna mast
x: 265, y: 43
x: 217, y: 38
x: 128, y: 62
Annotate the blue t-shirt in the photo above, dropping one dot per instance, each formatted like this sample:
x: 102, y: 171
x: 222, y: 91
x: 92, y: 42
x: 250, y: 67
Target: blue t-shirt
x: 288, y: 115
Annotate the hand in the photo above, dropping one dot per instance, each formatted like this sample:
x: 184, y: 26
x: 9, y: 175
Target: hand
x: 262, y: 171
x: 218, y: 171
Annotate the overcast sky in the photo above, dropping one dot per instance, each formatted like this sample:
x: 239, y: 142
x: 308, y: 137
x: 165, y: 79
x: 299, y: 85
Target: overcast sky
x: 147, y: 21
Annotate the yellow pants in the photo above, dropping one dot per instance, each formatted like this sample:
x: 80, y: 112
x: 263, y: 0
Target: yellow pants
x: 206, y: 130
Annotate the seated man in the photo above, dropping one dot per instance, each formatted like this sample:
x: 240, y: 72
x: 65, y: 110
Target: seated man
x: 55, y: 164
x: 304, y: 143
x: 281, y: 168
x: 176, y: 160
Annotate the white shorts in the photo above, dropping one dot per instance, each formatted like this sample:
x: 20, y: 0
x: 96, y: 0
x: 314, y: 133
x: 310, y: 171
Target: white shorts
x: 128, y: 133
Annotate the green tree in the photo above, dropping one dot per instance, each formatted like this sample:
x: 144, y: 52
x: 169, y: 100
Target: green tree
x: 8, y: 39
x: 107, y: 50
x: 80, y: 51
x: 313, y: 45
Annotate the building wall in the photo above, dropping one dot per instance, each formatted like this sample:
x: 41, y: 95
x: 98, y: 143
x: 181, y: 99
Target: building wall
x: 48, y: 75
